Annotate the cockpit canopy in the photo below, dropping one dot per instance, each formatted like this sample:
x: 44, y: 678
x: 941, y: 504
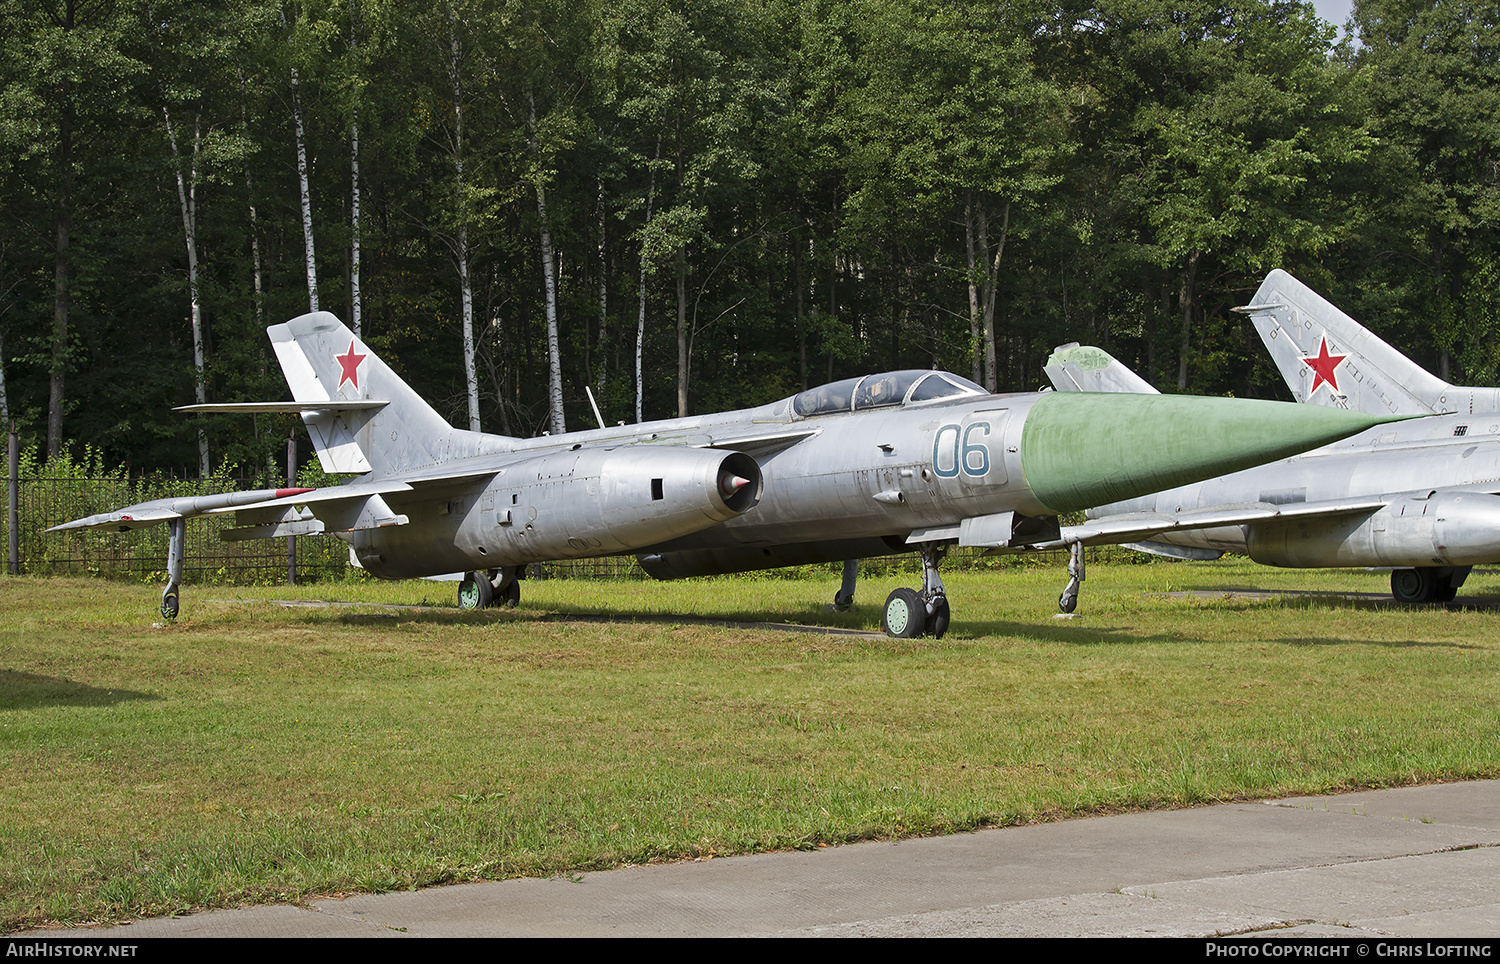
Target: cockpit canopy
x: 877, y: 391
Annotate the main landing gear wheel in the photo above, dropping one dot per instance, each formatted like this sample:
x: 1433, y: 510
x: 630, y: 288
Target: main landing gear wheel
x: 509, y: 594
x: 1427, y: 584
x: 905, y: 614
x: 169, y: 604
x: 497, y: 587
x: 475, y: 591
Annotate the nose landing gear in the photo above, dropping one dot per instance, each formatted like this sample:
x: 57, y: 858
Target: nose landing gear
x: 910, y: 613
x: 1068, y: 601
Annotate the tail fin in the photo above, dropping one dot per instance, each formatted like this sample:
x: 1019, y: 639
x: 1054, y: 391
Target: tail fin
x: 1084, y: 368
x: 1328, y: 358
x: 374, y: 421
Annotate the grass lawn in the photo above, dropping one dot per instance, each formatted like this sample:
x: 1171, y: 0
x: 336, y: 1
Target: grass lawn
x: 254, y: 752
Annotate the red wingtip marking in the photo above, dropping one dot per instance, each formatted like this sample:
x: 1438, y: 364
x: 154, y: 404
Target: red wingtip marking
x: 283, y: 493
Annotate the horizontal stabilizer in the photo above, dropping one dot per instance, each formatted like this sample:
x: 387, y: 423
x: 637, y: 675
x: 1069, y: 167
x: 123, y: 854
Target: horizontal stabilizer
x: 284, y: 408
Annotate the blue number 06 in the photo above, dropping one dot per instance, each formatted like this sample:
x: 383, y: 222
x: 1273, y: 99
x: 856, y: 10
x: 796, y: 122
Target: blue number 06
x: 954, y: 449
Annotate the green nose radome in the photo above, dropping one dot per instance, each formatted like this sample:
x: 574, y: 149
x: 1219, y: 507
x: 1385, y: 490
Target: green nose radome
x: 1080, y: 450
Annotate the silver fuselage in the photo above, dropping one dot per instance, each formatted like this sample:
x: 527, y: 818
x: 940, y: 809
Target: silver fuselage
x: 1437, y: 474
x: 857, y: 480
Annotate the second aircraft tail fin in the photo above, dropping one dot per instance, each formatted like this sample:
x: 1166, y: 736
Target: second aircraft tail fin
x: 1328, y: 358
x: 1084, y: 368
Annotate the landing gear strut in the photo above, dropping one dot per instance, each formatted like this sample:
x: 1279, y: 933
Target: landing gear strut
x: 844, y: 598
x: 910, y: 613
x: 496, y: 587
x: 1068, y: 601
x: 175, y: 548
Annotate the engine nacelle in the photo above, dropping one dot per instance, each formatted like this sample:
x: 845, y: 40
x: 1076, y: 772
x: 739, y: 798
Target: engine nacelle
x: 575, y: 504
x: 1441, y: 528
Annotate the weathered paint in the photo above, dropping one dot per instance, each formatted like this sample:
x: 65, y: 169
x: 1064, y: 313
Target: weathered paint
x: 1081, y: 450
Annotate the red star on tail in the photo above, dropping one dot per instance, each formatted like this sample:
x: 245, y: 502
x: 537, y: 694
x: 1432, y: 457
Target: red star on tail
x: 1323, y: 365
x: 349, y: 366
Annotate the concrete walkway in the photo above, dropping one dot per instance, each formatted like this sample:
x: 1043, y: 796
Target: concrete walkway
x: 1414, y: 862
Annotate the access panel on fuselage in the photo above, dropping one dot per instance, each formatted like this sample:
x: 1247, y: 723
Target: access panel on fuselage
x: 971, y: 449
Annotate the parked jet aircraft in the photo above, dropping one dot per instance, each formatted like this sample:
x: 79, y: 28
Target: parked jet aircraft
x: 870, y: 466
x: 1422, y: 496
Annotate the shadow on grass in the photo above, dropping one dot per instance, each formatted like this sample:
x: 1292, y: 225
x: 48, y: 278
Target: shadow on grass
x: 28, y: 691
x: 1328, y: 599
x: 807, y: 621
x: 819, y: 619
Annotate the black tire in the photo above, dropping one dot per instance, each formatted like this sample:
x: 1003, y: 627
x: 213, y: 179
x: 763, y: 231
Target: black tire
x: 475, y: 591
x: 510, y: 596
x: 169, y: 605
x: 904, y: 614
x: 937, y: 623
x: 1414, y: 585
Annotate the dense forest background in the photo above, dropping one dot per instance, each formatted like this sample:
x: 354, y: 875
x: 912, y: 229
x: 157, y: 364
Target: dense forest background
x: 692, y: 205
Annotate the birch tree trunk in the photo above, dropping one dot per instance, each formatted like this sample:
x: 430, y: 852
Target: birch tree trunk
x: 255, y: 268
x: 983, y: 287
x: 682, y: 338
x: 466, y: 287
x: 603, y: 252
x: 969, y: 242
x: 549, y: 282
x: 4, y: 398
x: 992, y: 286
x: 307, y: 226
x: 354, y: 299
x: 640, y: 321
x: 682, y: 334
x: 187, y: 198
x: 1187, y: 301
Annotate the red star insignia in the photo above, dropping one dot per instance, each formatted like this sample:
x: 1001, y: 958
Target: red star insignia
x: 1323, y: 365
x: 349, y: 366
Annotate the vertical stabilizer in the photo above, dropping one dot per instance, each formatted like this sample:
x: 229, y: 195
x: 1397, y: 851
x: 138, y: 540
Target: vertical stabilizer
x: 324, y: 362
x: 1328, y: 358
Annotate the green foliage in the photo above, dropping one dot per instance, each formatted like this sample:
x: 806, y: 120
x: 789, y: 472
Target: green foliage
x: 818, y: 188
x: 66, y: 488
